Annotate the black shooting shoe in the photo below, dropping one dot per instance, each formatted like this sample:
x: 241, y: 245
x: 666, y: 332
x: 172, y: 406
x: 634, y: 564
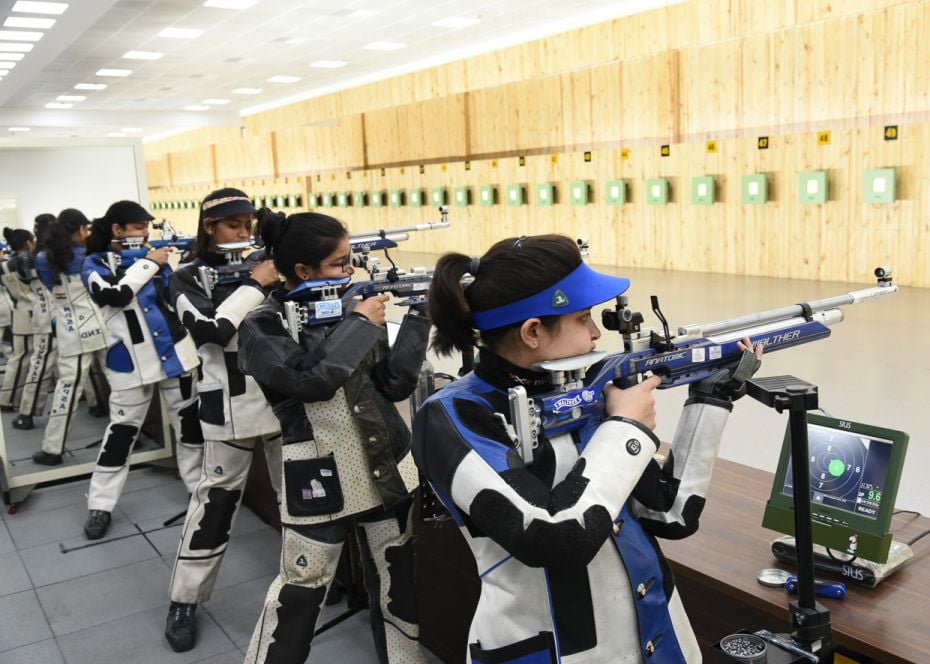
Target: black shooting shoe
x: 180, y: 629
x: 44, y: 458
x: 98, y: 522
x: 23, y: 422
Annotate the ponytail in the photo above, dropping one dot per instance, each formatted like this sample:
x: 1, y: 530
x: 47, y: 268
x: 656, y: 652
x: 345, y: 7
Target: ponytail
x: 58, y: 243
x: 511, y: 270
x: 101, y: 235
x: 17, y: 238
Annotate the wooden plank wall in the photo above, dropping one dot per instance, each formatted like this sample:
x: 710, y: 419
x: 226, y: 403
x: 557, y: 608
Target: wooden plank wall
x: 723, y: 70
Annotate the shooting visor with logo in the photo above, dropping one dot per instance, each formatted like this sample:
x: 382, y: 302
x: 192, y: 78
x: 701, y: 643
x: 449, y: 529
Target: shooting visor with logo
x: 581, y: 289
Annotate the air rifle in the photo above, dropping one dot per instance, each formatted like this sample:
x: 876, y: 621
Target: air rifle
x: 136, y: 247
x: 698, y: 352
x: 319, y: 301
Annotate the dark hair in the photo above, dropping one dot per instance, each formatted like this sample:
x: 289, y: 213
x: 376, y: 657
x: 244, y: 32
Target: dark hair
x: 40, y: 227
x: 58, y: 243
x: 120, y: 212
x: 17, y: 238
x: 310, y: 238
x: 510, y: 270
x: 202, y: 241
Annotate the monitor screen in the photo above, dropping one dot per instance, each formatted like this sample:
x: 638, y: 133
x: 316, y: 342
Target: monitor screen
x: 848, y: 471
x: 854, y: 472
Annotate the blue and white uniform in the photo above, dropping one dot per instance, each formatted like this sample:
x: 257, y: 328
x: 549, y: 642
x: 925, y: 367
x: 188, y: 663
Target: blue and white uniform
x: 146, y: 346
x: 565, y: 547
x: 80, y: 336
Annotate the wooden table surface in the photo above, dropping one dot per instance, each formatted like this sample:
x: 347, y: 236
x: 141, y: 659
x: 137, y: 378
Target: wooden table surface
x: 718, y: 566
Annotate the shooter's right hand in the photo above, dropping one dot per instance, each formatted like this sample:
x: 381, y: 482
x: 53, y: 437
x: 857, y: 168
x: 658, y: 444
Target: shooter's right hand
x: 159, y: 256
x: 634, y: 403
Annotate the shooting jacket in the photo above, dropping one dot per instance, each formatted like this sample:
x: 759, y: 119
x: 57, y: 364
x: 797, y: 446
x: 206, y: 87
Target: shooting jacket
x: 565, y: 547
x: 20, y: 294
x: 145, y: 341
x: 345, y: 447
x: 78, y: 324
x: 232, y: 407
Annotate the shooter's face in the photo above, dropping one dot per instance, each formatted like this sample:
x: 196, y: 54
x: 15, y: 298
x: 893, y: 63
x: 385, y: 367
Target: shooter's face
x: 134, y: 229
x: 230, y: 229
x: 575, y: 334
x: 334, y: 266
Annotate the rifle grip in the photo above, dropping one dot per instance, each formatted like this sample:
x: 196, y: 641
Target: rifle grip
x: 623, y: 382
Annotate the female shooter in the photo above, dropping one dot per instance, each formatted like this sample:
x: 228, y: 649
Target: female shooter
x: 234, y: 415
x: 147, y: 347
x: 345, y: 448
x: 564, y: 544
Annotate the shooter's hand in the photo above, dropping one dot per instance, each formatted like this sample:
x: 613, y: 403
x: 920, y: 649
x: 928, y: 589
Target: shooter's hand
x: 159, y: 256
x: 634, y: 403
x: 730, y: 384
x: 265, y: 273
x: 373, y: 308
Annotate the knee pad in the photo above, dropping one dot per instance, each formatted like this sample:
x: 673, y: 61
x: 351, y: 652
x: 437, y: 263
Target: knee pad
x: 307, y: 562
x: 213, y: 529
x: 116, y: 445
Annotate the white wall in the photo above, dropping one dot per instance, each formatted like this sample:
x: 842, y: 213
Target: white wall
x: 88, y: 178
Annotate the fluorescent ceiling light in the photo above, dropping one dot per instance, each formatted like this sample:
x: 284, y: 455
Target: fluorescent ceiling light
x: 181, y: 33
x: 7, y: 65
x: 230, y: 4
x: 90, y: 86
x: 329, y: 64
x: 455, y: 22
x: 132, y: 130
x: 284, y: 79
x: 70, y: 97
x: 142, y: 55
x: 246, y: 91
x: 13, y: 47
x: 216, y: 102
x: 20, y: 129
x: 15, y: 35
x: 383, y: 46
x: 297, y: 40
x: 116, y: 134
x: 55, y: 104
x: 52, y: 8
x: 11, y: 57
x: 196, y: 107
x: 116, y: 73
x: 28, y: 22
x: 362, y: 13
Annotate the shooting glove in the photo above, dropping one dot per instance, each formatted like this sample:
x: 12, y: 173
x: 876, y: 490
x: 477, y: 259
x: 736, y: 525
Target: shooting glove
x: 729, y: 384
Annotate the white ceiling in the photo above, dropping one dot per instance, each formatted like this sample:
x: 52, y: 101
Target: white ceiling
x: 242, y: 49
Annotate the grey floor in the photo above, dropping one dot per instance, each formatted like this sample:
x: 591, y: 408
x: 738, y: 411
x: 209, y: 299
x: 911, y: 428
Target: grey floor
x: 63, y: 601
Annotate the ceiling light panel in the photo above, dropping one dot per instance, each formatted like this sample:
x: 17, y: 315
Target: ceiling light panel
x: 329, y: 64
x: 11, y: 57
x: 70, y: 98
x: 116, y: 73
x: 14, y: 47
x: 383, y: 46
x: 7, y: 65
x: 90, y: 86
x: 181, y: 33
x: 50, y: 8
x: 18, y: 35
x: 143, y: 55
x: 362, y: 13
x: 284, y: 79
x: 57, y: 105
x: 229, y: 4
x: 28, y: 22
x: 20, y: 129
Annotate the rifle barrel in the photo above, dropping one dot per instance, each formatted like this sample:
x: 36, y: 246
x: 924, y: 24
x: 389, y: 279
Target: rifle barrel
x: 784, y: 313
x: 391, y: 232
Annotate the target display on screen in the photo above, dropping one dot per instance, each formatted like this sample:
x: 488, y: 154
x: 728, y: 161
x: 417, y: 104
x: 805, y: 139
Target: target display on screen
x: 848, y: 471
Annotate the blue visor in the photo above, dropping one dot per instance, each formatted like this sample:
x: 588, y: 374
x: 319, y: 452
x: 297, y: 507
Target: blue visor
x: 581, y: 289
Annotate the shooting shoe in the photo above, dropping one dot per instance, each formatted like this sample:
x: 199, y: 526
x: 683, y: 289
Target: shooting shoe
x: 24, y: 422
x: 180, y: 629
x: 98, y: 522
x: 44, y: 458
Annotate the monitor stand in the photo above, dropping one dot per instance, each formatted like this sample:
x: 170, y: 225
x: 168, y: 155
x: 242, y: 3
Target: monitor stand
x: 859, y: 571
